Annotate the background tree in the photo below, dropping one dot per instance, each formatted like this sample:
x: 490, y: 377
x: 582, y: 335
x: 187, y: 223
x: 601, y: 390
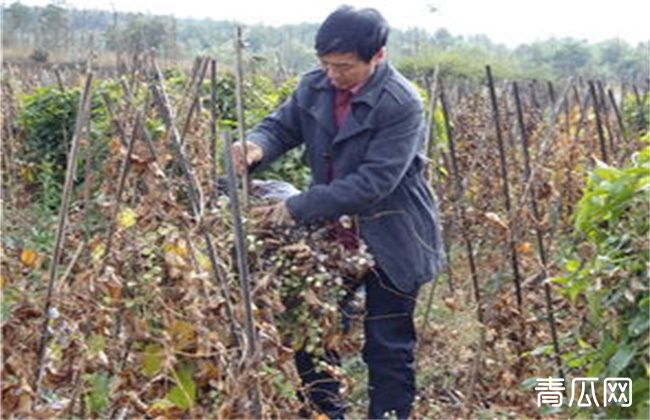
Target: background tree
x: 16, y: 25
x: 288, y: 50
x: 570, y: 56
x: 53, y: 28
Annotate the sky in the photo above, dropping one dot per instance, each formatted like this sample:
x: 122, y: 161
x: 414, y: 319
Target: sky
x: 508, y: 22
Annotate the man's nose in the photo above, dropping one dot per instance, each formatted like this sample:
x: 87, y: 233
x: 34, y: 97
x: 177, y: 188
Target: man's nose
x: 332, y: 73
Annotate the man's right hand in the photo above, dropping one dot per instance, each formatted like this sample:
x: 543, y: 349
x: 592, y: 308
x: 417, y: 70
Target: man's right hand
x: 254, y: 154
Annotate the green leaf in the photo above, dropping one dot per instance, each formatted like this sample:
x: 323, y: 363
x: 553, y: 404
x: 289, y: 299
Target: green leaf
x: 572, y: 266
x: 584, y: 345
x: 183, y: 394
x: 575, y: 288
x: 560, y: 280
x: 152, y: 359
x: 608, y: 346
x: 639, y: 325
x: 621, y: 359
x: 529, y: 383
x: 547, y: 410
x: 545, y: 349
x: 96, y: 344
x: 97, y: 398
x: 607, y: 173
x: 595, y: 370
x: 161, y: 405
x: 577, y: 362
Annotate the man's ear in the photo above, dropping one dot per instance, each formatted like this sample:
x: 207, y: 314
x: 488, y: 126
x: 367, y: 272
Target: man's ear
x: 379, y: 55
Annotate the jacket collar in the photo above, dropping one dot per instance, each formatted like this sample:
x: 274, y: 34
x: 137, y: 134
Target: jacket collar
x: 369, y: 93
x: 323, y: 110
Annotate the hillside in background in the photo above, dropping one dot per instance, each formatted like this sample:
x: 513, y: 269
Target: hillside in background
x: 62, y: 35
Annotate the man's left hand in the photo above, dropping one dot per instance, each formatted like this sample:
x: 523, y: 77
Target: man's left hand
x: 276, y: 214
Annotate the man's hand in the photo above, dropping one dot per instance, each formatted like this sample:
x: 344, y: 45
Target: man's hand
x: 275, y: 214
x: 254, y: 154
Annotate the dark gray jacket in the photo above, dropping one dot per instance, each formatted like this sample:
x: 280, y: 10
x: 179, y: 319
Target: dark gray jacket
x: 377, y: 159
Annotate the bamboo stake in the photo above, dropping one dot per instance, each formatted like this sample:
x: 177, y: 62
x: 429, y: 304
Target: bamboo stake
x: 567, y: 116
x: 80, y: 123
x: 242, y: 267
x: 164, y: 106
x: 7, y: 132
x: 619, y: 119
x: 88, y: 179
x: 509, y: 132
x: 640, y: 109
x: 59, y: 80
x: 551, y: 92
x: 196, y: 66
x: 514, y: 256
x: 605, y: 108
x: 430, y: 125
x: 583, y: 115
x: 241, y: 122
x: 540, y: 239
x: 126, y: 164
x: 533, y: 94
x: 145, y: 133
x: 111, y: 114
x: 459, y: 207
x: 213, y: 127
x: 195, y: 98
x: 599, y: 125
x: 191, y: 184
x: 430, y: 142
x: 551, y: 120
x: 71, y: 265
x: 544, y: 145
x: 581, y: 104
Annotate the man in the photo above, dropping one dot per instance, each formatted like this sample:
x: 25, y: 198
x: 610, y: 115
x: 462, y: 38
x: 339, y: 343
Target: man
x: 362, y: 125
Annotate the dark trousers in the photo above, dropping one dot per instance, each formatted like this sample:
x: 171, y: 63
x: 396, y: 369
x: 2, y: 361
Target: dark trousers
x: 388, y: 352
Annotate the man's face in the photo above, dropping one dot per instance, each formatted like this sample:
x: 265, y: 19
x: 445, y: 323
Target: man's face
x: 345, y: 70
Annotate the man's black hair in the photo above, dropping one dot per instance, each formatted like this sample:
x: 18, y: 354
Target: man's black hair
x: 361, y: 31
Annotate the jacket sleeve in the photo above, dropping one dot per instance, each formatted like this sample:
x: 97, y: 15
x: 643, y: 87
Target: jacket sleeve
x: 278, y: 132
x: 389, y: 154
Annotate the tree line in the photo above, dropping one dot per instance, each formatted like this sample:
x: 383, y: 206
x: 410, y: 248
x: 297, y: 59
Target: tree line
x: 57, y: 33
